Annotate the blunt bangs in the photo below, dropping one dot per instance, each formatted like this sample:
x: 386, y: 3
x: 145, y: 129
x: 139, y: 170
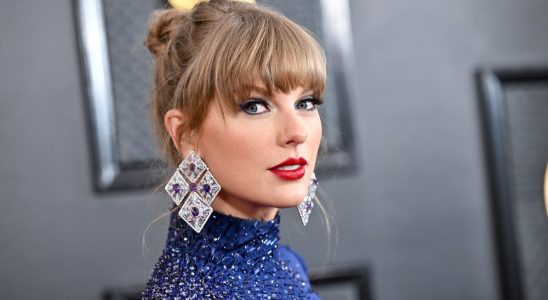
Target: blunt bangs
x: 266, y: 53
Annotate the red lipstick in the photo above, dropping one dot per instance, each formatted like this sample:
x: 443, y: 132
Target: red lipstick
x: 290, y: 169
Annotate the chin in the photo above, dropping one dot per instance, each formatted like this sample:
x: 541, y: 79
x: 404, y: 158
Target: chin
x: 287, y: 201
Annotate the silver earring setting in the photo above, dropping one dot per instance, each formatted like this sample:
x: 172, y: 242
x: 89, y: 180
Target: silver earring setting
x: 194, y: 182
x: 305, y: 208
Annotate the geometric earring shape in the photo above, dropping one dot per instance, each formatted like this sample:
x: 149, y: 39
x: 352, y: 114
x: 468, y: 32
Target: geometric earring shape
x: 197, y: 186
x: 208, y: 188
x: 192, y: 166
x: 305, y: 208
x: 177, y: 188
x: 195, y: 212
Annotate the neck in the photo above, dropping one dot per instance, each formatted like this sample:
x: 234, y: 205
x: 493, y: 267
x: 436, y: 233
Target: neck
x: 243, y: 209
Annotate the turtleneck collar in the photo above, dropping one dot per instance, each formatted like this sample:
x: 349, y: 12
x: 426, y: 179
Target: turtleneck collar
x: 226, y: 239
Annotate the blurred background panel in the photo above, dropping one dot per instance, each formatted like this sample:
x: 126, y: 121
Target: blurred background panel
x: 415, y: 210
x: 515, y: 114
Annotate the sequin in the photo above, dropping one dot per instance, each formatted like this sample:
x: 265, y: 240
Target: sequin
x: 230, y: 258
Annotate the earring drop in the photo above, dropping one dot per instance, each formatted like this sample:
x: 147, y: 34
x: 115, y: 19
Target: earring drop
x: 305, y: 208
x: 194, y: 182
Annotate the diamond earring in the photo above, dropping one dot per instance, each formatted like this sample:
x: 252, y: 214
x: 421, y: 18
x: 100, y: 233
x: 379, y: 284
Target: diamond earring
x: 305, y: 208
x: 194, y: 182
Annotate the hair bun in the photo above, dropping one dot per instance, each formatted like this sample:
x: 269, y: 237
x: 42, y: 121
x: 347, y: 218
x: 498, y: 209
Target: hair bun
x: 161, y: 28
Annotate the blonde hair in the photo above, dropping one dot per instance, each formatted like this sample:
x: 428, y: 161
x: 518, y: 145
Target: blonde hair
x: 224, y: 50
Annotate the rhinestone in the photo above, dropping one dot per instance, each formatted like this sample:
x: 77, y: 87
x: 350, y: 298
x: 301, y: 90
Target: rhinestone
x: 208, y: 188
x: 313, y: 186
x: 177, y: 188
x: 192, y: 167
x: 305, y: 208
x: 194, y: 212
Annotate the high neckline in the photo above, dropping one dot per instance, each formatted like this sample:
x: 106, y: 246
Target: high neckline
x: 224, y: 235
x: 231, y: 258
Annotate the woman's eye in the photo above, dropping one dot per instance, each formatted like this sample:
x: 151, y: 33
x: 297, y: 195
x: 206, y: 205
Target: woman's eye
x: 310, y: 103
x: 254, y: 107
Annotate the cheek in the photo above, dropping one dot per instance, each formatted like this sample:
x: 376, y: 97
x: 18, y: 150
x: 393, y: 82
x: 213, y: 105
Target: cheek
x: 318, y: 131
x: 233, y: 151
x: 315, y: 137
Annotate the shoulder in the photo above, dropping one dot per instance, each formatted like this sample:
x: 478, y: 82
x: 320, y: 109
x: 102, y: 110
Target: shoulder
x: 294, y: 259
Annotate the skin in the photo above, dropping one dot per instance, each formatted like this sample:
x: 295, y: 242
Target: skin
x: 240, y: 148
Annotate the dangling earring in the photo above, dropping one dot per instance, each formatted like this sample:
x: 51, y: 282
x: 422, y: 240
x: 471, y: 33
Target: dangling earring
x: 305, y: 208
x: 193, y: 180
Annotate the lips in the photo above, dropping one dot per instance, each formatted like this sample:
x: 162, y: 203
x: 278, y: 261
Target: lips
x: 290, y: 169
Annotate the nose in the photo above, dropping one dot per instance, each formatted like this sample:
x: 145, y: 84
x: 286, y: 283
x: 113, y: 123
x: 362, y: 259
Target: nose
x: 293, y: 129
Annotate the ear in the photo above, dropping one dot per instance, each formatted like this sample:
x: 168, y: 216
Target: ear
x: 174, y: 121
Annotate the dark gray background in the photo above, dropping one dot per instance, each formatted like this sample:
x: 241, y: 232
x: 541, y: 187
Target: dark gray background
x: 416, y: 210
x: 527, y: 106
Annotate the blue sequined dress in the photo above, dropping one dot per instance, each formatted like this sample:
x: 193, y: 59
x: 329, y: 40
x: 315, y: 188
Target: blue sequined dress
x: 230, y: 258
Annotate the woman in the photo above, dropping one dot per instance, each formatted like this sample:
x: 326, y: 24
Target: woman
x: 237, y: 87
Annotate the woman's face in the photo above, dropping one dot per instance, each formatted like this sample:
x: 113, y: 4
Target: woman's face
x: 263, y: 156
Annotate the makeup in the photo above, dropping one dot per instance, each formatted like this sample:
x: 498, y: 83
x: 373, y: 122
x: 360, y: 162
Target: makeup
x: 290, y: 169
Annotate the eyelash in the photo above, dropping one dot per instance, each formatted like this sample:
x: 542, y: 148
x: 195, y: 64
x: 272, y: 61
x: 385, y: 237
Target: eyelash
x: 312, y: 99
x: 249, y: 103
x: 257, y: 101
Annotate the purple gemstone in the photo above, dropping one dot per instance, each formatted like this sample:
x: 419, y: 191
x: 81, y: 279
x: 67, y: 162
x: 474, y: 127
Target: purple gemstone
x: 192, y: 167
x: 206, y: 188
x: 192, y: 187
x: 309, y: 205
x: 195, y: 211
x: 176, y: 188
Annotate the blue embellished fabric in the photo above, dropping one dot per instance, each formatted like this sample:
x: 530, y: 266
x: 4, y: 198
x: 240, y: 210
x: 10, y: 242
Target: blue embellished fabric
x: 230, y: 258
